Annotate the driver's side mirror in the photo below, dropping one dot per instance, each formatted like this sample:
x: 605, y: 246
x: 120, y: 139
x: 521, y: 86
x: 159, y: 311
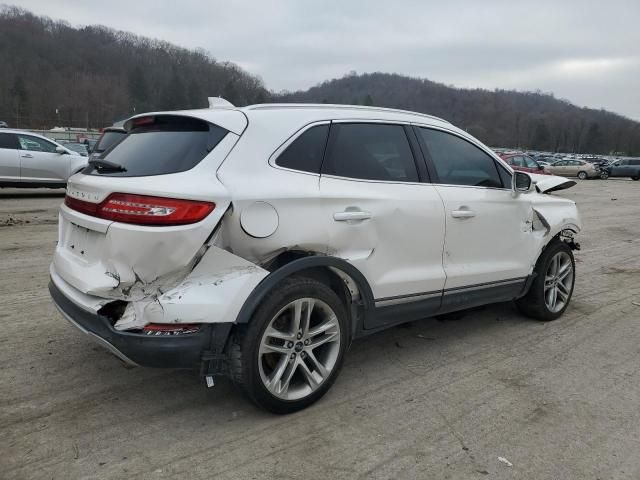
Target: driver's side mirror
x: 60, y: 150
x: 521, y: 182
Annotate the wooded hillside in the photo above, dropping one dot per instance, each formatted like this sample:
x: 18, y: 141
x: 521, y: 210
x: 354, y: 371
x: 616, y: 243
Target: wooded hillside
x: 53, y: 74
x: 94, y: 75
x: 499, y: 118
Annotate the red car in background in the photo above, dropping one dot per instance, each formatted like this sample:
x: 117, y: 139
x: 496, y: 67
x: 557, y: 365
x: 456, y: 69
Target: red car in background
x: 523, y: 163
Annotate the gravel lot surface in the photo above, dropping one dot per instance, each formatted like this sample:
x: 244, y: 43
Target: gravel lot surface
x: 433, y: 399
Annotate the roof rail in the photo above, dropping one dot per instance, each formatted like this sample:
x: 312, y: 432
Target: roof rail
x: 269, y: 106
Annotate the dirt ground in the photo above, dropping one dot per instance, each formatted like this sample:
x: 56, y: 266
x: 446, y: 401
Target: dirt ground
x: 434, y: 399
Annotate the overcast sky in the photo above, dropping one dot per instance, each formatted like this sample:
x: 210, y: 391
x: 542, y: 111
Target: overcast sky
x: 585, y: 51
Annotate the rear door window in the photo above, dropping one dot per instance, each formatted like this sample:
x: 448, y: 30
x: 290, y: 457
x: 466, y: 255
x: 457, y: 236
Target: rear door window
x: 529, y: 162
x: 459, y: 162
x: 305, y: 152
x: 370, y: 151
x: 517, y: 161
x: 160, y: 145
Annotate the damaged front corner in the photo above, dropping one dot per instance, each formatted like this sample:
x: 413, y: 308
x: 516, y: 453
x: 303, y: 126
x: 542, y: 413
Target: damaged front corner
x: 540, y: 223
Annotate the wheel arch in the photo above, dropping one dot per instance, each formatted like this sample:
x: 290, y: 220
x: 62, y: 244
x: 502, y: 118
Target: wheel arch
x: 332, y: 270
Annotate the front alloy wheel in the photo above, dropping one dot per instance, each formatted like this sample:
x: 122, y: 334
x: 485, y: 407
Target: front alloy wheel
x: 558, y: 282
x: 552, y: 287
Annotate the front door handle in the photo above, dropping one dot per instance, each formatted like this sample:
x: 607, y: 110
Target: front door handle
x: 26, y: 155
x: 463, y: 213
x: 351, y: 215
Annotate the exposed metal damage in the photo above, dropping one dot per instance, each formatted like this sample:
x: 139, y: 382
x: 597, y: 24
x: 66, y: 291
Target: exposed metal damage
x: 199, y: 297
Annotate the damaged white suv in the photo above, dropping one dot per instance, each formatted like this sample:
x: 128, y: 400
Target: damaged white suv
x: 256, y: 243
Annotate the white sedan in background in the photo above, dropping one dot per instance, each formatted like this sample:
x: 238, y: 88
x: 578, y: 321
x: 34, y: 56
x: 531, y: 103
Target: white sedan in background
x: 31, y: 160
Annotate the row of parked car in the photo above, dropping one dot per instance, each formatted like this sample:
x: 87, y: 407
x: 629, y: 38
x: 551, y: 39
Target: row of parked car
x: 583, y: 168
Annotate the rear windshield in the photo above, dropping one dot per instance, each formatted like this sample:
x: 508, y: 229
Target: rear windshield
x: 160, y: 145
x: 107, y: 140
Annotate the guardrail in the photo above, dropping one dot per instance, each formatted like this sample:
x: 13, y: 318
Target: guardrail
x: 68, y: 135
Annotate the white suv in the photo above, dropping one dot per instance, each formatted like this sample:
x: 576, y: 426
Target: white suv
x: 258, y: 242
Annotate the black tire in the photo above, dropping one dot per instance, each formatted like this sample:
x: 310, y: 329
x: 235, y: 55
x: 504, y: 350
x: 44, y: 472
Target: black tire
x: 604, y: 175
x: 533, y: 304
x: 244, y: 348
x: 583, y: 175
x: 635, y: 178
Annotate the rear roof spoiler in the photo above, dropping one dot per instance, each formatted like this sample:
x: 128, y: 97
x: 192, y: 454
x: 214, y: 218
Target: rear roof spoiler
x: 219, y: 102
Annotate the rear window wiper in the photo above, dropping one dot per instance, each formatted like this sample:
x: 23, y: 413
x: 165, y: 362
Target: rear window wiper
x: 106, y: 165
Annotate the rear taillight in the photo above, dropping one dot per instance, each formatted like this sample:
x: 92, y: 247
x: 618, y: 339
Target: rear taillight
x: 143, y: 209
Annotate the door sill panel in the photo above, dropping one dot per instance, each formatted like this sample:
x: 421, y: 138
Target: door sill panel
x: 392, y: 311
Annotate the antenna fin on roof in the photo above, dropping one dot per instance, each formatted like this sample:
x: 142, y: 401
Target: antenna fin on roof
x: 219, y: 102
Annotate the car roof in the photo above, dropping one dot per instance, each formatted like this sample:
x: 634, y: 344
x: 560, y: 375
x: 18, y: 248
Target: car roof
x: 27, y: 132
x: 236, y: 119
x: 340, y: 111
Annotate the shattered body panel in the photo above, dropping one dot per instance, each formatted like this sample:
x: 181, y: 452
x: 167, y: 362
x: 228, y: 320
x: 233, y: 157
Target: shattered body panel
x: 213, y: 292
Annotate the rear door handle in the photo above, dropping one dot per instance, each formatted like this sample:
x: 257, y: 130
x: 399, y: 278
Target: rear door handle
x: 349, y: 215
x: 463, y: 213
x: 26, y: 155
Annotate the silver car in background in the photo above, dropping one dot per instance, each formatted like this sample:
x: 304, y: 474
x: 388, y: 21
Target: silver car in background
x: 573, y: 168
x: 31, y: 160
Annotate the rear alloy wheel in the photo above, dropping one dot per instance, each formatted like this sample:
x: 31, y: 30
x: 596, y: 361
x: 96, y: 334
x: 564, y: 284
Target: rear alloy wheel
x: 552, y: 287
x: 293, y: 348
x: 582, y: 175
x: 296, y: 356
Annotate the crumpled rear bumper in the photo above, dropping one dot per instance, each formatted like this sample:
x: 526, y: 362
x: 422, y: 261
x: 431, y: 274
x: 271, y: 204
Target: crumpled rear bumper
x: 179, y: 351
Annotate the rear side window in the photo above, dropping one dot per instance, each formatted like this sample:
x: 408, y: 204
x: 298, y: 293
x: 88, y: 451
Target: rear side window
x: 305, y: 152
x: 458, y: 162
x: 160, y: 145
x: 8, y: 140
x: 107, y: 140
x: 370, y: 151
